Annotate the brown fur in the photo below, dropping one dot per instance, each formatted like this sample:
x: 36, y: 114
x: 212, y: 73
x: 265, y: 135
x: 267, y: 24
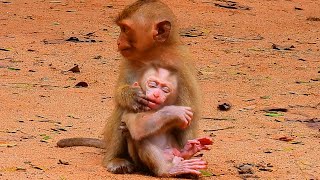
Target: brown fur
x: 168, y: 54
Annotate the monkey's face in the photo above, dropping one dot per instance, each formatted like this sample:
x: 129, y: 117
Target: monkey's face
x: 157, y: 93
x: 135, y: 40
x: 161, y: 88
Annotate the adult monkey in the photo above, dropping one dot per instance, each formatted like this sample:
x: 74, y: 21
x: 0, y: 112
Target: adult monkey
x: 151, y: 141
x: 149, y: 35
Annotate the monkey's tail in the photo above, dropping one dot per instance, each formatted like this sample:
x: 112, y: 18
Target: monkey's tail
x: 89, y: 142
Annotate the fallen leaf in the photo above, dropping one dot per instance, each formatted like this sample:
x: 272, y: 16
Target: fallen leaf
x: 231, y: 5
x: 5, y: 49
x: 73, y: 39
x: 193, y: 32
x: 210, y: 130
x: 75, y: 69
x: 313, y: 19
x: 277, y: 47
x: 71, y: 10
x: 268, y: 151
x: 7, y: 144
x: 55, y: 1
x: 6, y: 2
x: 73, y: 117
x: 224, y: 105
x: 12, y: 169
x: 81, y: 85
x: 58, y: 129
x: 286, y: 138
x: 272, y: 109
x: 297, y: 142
x: 36, y: 167
x: 63, y: 162
x: 315, y: 79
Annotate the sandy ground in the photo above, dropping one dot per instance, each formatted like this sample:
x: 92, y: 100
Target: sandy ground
x: 255, y: 54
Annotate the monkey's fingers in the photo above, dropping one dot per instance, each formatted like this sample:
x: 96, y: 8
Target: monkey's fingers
x: 182, y: 171
x: 205, y: 147
x: 193, y: 141
x: 142, y: 104
x: 205, y: 141
x: 196, y: 161
x: 187, y: 108
x: 142, y: 100
x: 188, y: 118
x: 187, y: 167
x: 184, y: 124
x: 190, y: 113
x: 195, y: 165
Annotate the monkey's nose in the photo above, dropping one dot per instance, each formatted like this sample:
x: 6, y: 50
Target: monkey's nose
x: 156, y: 95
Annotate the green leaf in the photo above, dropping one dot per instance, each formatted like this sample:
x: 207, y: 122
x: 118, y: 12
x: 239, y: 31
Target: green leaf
x: 45, y: 138
x: 273, y: 114
x: 265, y: 97
x: 206, y: 173
x: 13, y: 69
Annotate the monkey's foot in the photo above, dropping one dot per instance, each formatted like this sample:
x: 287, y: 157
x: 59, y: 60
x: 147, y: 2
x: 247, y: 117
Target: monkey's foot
x: 120, y: 166
x: 186, y: 168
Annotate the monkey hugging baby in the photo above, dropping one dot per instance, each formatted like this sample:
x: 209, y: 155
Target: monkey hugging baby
x: 153, y: 124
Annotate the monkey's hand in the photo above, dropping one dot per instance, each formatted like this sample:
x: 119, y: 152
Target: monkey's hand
x: 182, y: 113
x: 132, y: 98
x: 194, y: 146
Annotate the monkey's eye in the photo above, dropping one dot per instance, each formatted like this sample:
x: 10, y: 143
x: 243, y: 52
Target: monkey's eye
x: 124, y: 29
x: 152, y: 84
x: 166, y: 89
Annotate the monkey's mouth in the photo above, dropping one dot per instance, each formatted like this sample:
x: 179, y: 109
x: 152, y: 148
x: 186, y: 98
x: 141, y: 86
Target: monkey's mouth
x: 153, y: 104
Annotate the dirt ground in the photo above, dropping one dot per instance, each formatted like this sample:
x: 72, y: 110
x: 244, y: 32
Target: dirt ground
x: 261, y: 56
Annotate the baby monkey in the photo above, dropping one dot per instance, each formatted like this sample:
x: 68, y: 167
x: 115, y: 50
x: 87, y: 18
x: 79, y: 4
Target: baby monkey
x: 151, y: 134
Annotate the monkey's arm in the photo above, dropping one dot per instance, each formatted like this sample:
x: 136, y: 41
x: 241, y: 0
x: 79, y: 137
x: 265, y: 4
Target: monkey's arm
x: 144, y: 124
x: 131, y: 98
x: 128, y: 96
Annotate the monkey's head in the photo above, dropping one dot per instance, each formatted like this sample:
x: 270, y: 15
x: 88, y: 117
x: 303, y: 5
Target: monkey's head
x: 160, y: 86
x: 145, y: 26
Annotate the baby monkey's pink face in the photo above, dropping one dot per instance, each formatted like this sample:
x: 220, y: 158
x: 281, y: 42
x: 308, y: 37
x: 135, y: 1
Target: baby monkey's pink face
x: 160, y: 87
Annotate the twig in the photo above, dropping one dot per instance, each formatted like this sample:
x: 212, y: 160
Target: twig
x: 211, y: 130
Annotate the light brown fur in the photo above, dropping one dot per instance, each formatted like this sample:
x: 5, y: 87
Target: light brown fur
x: 149, y: 36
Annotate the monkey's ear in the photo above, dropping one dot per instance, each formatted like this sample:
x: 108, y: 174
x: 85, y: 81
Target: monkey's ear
x: 162, y: 31
x: 135, y: 84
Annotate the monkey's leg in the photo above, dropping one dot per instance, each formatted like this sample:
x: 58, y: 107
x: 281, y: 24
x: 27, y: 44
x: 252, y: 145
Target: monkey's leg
x: 119, y: 166
x: 116, y: 159
x: 155, y: 159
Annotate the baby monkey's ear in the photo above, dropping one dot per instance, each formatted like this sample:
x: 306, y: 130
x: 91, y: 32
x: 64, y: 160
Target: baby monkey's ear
x: 135, y: 84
